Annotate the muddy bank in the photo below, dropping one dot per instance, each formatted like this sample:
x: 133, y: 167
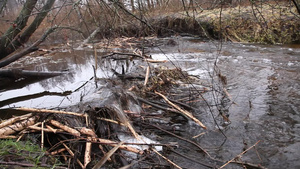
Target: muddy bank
x: 268, y: 23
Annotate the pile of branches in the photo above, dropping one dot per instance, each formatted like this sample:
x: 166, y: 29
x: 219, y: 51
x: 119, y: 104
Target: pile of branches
x: 92, y: 137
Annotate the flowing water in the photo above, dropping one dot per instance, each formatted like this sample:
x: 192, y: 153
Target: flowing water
x: 262, y: 80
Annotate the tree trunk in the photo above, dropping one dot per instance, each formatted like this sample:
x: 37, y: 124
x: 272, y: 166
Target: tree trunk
x: 24, y: 37
x: 16, y: 27
x: 297, y: 4
x: 30, y: 49
x: 2, y: 5
x: 148, y: 4
x: 132, y: 5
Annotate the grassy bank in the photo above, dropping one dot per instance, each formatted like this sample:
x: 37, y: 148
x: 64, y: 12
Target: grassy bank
x: 270, y: 24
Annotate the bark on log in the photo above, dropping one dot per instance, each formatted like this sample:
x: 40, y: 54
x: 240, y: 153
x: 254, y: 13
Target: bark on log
x: 18, y: 126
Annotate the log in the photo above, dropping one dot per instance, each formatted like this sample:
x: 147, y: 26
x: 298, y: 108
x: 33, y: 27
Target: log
x: 65, y: 128
x: 17, y: 73
x: 8, y: 130
x: 186, y: 113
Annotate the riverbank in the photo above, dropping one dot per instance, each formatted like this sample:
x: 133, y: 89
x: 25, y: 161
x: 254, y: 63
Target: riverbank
x: 268, y: 23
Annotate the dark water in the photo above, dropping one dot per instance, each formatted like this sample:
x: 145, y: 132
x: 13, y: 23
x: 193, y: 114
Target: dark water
x: 263, y: 81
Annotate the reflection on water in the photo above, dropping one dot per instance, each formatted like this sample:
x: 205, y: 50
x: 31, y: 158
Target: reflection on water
x: 79, y: 65
x: 263, y: 81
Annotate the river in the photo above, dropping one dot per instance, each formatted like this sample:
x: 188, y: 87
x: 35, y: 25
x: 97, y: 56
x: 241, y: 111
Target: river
x: 263, y: 82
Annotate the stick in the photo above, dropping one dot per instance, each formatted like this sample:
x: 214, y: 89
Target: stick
x: 156, y: 61
x: 147, y: 75
x: 188, y: 114
x: 65, y: 128
x: 87, y: 154
x: 8, y: 130
x: 107, y: 156
x: 88, y: 132
x: 58, y: 151
x: 42, y: 138
x: 239, y: 154
x: 184, y: 139
x: 50, y: 111
x: 72, y: 155
x: 171, y: 162
x: 14, y: 119
x: 45, y: 129
x: 7, y: 137
x: 114, y: 143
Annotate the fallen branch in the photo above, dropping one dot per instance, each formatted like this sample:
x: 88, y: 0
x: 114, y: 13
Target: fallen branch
x: 65, y: 128
x: 186, y: 113
x: 50, y: 111
x: 155, y: 61
x: 8, y: 130
x: 114, y: 143
x: 239, y: 155
x: 171, y: 162
x: 87, y: 154
x: 184, y: 139
x: 58, y: 151
x: 147, y: 75
x: 72, y: 155
x: 45, y: 129
x: 107, y: 156
x: 14, y: 119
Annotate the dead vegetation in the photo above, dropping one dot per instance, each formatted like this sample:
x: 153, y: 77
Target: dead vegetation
x: 126, y: 122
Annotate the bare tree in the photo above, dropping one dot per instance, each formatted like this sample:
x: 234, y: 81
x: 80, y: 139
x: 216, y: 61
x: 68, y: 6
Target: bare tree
x: 17, y: 35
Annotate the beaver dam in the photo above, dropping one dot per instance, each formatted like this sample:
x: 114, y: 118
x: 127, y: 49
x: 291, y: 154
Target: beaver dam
x: 157, y: 103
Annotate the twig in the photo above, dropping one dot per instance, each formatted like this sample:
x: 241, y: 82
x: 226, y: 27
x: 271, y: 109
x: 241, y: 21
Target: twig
x: 171, y: 162
x: 158, y: 106
x: 14, y: 119
x: 33, y: 127
x: 184, y: 139
x: 17, y: 126
x: 114, y: 143
x: 42, y: 138
x: 189, y: 158
x: 87, y: 154
x: 72, y: 155
x: 50, y: 111
x: 239, y: 155
x: 58, y: 151
x: 156, y: 61
x: 147, y: 75
x: 107, y: 156
x: 65, y: 128
x: 188, y: 114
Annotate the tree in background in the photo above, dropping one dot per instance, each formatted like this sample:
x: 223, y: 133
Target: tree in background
x: 19, y: 33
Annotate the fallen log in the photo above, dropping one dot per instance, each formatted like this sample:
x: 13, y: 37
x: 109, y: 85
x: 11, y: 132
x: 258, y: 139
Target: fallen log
x: 8, y: 130
x: 18, y: 73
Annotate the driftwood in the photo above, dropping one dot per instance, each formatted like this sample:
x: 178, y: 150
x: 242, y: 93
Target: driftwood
x: 32, y: 96
x: 18, y: 78
x: 107, y: 156
x: 17, y: 73
x: 65, y: 128
x: 87, y: 153
x: 14, y: 119
x: 18, y: 126
x: 186, y: 113
x: 50, y: 111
